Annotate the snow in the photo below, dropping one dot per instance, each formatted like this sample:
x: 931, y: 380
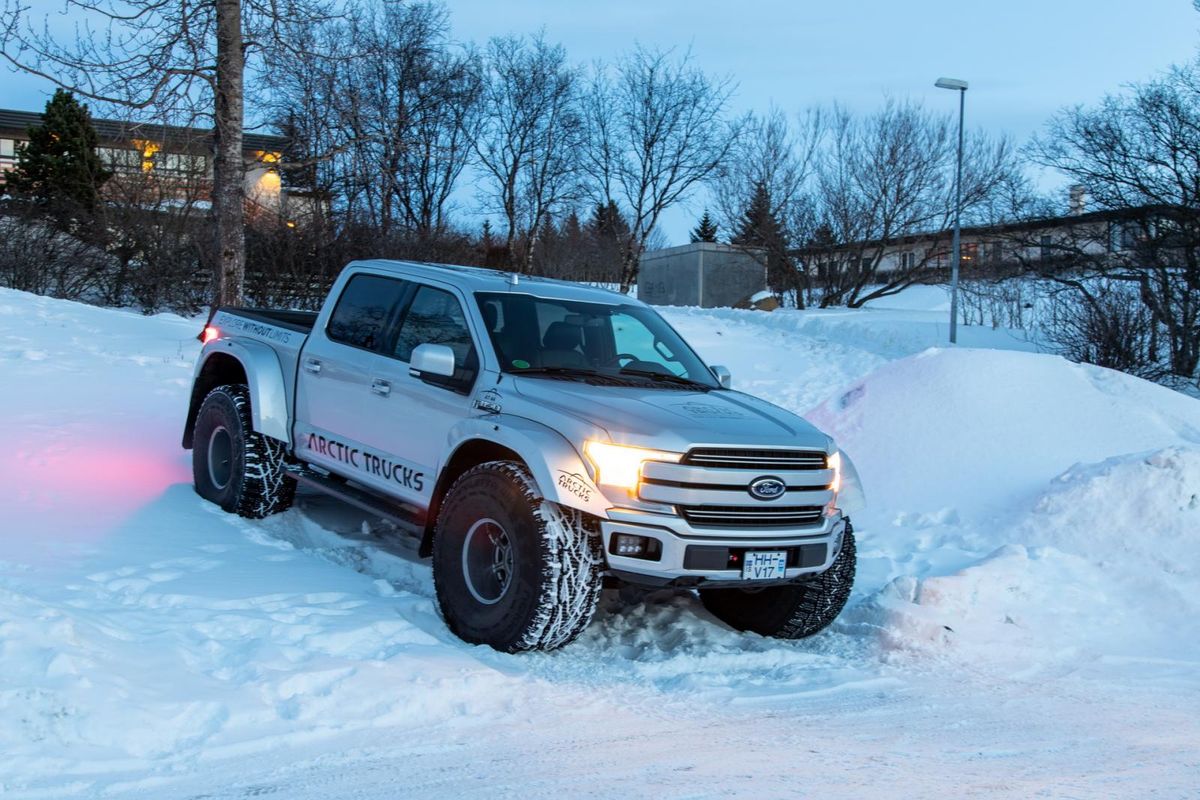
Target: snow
x: 1024, y: 622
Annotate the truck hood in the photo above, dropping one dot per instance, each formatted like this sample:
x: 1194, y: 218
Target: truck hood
x: 672, y: 419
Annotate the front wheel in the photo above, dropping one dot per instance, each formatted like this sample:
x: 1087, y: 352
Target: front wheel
x: 793, y: 611
x: 513, y: 570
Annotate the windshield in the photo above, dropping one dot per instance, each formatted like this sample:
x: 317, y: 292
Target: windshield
x: 540, y: 335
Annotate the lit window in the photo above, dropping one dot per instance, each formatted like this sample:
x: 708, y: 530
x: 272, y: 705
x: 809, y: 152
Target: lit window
x: 7, y: 148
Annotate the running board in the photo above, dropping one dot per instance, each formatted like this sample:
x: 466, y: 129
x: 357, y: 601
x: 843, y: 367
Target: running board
x: 407, y: 519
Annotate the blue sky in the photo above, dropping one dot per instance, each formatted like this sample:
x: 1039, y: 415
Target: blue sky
x: 1023, y: 58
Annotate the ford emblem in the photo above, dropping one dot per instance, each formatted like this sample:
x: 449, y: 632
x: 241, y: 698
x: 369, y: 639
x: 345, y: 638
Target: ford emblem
x: 767, y: 488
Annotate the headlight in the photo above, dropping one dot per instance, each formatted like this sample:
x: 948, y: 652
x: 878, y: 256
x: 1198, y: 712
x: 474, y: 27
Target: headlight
x: 621, y: 466
x: 835, y: 464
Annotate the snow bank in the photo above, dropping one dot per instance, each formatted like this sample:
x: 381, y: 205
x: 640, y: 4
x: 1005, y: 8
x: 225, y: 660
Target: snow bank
x: 1018, y: 501
x: 975, y: 433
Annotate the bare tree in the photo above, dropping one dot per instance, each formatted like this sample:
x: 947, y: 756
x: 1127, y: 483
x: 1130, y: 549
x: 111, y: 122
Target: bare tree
x: 772, y: 160
x: 886, y: 177
x: 388, y: 125
x: 530, y: 137
x: 168, y: 57
x: 657, y: 129
x: 1138, y: 155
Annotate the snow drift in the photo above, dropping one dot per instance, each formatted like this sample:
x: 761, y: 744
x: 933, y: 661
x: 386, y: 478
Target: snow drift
x: 1079, y: 483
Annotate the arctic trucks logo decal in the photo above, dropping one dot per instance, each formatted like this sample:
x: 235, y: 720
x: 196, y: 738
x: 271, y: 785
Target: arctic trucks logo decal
x: 708, y: 411
x: 575, y: 484
x: 367, y: 462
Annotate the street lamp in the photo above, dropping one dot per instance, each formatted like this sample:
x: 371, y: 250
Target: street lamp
x: 956, y: 249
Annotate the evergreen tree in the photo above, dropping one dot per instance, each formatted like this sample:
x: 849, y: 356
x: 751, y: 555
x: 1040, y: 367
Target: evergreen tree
x: 608, y: 234
x: 760, y: 227
x: 59, y: 164
x: 706, y: 231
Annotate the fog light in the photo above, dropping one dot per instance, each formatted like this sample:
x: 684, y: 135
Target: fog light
x: 632, y: 546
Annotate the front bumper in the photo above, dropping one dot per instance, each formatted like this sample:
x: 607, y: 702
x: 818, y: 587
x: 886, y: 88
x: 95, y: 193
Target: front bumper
x: 709, y: 557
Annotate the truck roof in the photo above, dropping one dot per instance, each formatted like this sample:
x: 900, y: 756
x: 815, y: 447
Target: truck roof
x: 480, y: 279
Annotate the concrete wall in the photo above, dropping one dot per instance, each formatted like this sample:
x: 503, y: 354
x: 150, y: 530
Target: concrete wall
x: 701, y: 274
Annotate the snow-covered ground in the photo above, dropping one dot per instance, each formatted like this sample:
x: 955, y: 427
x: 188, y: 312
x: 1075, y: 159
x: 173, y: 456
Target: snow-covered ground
x: 1025, y: 622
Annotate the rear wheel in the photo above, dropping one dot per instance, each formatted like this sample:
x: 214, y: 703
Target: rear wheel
x: 241, y: 471
x: 793, y: 611
x: 513, y: 570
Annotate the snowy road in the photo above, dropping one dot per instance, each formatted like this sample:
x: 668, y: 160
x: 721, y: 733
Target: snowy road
x: 1025, y: 622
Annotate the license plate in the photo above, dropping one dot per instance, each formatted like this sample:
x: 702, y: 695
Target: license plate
x: 764, y: 565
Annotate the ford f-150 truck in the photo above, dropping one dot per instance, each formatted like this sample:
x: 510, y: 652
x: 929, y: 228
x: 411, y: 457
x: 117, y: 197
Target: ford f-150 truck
x: 538, y: 438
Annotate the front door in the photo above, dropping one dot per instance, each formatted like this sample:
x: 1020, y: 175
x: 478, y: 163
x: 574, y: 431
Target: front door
x: 424, y: 410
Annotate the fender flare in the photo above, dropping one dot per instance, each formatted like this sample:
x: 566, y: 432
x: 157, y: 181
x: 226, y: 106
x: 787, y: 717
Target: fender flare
x: 264, y: 377
x: 558, y: 469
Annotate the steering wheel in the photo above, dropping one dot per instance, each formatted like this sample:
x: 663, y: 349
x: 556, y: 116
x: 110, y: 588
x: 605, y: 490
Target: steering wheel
x: 615, y: 361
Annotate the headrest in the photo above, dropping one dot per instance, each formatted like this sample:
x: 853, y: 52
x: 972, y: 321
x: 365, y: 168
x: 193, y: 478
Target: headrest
x: 563, y: 336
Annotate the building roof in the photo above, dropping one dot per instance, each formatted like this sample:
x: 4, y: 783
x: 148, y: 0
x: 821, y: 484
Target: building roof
x: 1003, y: 228
x: 167, y: 135
x: 480, y: 279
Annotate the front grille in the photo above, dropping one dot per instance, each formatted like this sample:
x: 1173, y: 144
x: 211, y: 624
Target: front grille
x: 751, y: 516
x: 763, y: 460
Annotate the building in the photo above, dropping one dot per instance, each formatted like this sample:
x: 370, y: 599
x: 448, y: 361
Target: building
x: 986, y: 249
x: 176, y: 161
x: 705, y: 274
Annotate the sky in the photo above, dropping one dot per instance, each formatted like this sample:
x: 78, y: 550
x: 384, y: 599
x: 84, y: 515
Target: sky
x: 1024, y: 59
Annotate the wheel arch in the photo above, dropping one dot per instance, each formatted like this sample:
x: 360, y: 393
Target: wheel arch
x: 249, y: 363
x: 556, y: 468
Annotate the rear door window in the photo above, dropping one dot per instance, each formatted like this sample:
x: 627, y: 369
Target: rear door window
x: 364, y: 311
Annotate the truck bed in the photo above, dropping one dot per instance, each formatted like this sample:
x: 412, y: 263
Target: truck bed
x: 301, y: 321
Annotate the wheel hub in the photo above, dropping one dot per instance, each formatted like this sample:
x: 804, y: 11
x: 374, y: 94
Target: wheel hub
x: 220, y: 457
x: 487, y: 560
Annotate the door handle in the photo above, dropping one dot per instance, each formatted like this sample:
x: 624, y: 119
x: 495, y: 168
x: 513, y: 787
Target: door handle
x: 381, y: 387
x: 312, y: 365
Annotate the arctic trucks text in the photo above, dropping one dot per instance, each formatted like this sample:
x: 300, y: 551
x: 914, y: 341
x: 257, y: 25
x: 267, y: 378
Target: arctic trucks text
x: 539, y: 438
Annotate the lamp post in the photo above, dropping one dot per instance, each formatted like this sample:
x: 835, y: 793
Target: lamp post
x: 956, y: 248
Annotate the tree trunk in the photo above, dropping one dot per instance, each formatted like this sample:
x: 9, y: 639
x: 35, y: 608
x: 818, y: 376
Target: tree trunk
x: 228, y: 194
x: 629, y: 268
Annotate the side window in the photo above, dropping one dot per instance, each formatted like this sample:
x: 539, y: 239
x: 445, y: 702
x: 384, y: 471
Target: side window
x: 361, y: 315
x: 436, y: 317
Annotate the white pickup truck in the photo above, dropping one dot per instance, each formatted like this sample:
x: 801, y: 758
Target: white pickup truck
x: 538, y: 438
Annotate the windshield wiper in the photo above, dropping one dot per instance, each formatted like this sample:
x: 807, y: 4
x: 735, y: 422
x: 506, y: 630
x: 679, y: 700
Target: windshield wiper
x: 570, y: 371
x: 665, y: 377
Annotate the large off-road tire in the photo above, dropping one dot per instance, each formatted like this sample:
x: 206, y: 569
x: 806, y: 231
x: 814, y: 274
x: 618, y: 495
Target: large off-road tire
x: 792, y: 611
x: 513, y: 570
x: 241, y: 471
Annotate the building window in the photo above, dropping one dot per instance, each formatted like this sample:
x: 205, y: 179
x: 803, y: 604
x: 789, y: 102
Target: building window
x: 181, y: 163
x: 969, y: 253
x: 908, y: 260
x: 120, y: 159
x: 7, y: 148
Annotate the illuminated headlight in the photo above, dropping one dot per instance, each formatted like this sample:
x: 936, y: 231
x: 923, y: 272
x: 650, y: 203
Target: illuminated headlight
x: 620, y: 465
x: 834, y: 462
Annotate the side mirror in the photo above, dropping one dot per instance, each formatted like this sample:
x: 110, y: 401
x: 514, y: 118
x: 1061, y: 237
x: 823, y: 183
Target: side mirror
x: 723, y: 377
x: 431, y: 359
